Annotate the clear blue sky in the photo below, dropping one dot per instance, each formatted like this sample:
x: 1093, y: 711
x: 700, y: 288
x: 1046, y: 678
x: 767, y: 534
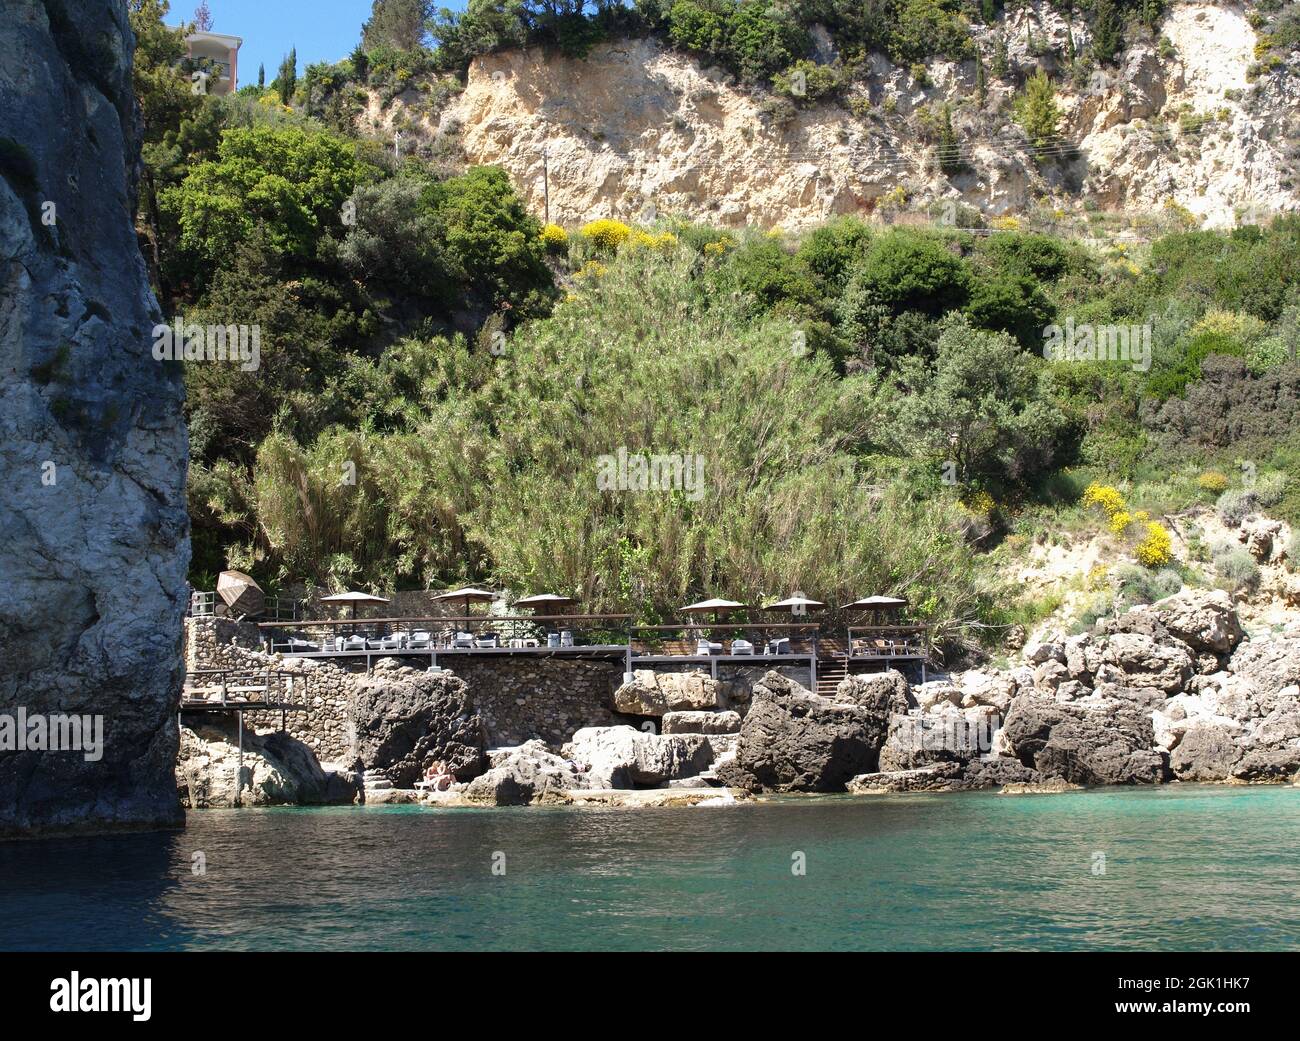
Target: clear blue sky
x: 322, y: 30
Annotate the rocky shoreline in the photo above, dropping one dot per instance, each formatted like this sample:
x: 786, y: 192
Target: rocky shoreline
x: 1165, y: 693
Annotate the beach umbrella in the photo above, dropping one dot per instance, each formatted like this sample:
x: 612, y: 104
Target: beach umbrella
x: 240, y: 593
x: 545, y: 601
x: 353, y: 597
x: 467, y: 595
x: 875, y: 603
x: 715, y: 607
x: 796, y: 605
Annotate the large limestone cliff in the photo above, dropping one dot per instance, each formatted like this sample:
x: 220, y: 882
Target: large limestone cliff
x: 92, y: 440
x: 637, y: 129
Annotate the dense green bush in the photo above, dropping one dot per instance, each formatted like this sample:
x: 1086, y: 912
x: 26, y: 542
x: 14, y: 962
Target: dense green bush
x: 910, y: 271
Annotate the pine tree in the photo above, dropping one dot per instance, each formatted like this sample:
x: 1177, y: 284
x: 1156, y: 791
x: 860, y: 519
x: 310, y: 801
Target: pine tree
x: 1036, y: 110
x: 948, y: 147
x: 401, y: 24
x: 261, y: 77
x: 981, y: 79
x: 1108, y: 34
x: 1001, y: 62
x: 287, y: 82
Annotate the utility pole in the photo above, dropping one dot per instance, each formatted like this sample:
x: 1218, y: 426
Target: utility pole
x: 546, y: 180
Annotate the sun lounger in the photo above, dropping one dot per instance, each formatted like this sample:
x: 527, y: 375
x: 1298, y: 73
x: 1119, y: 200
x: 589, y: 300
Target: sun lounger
x: 552, y: 639
x: 394, y: 642
x: 703, y: 647
x: 297, y: 646
x: 566, y: 638
x: 421, y: 639
x: 741, y: 647
x: 781, y: 646
x: 350, y: 643
x: 488, y: 640
x: 465, y: 640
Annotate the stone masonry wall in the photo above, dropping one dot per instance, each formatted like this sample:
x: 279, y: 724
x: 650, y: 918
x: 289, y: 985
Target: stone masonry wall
x: 518, y: 698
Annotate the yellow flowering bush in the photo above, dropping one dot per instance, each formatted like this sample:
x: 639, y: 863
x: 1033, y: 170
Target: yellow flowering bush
x: 1156, y: 547
x: 606, y: 233
x: 591, y: 269
x: 555, y: 238
x: 1007, y: 223
x: 1213, y: 481
x: 718, y: 248
x: 979, y: 503
x: 1104, y: 495
x: 663, y: 242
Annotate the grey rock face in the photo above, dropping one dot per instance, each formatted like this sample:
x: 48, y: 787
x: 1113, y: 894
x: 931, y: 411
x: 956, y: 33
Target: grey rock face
x: 1109, y: 742
x: 701, y: 723
x: 93, y: 447
x: 653, y: 693
x: 528, y: 773
x: 278, y: 770
x: 946, y: 777
x: 624, y: 757
x: 404, y: 722
x: 793, y: 740
x: 1268, y: 665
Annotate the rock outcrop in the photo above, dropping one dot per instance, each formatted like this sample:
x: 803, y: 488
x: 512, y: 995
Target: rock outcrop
x: 524, y: 774
x: 635, y: 129
x: 404, y: 719
x: 624, y: 757
x: 278, y: 770
x: 651, y: 693
x: 92, y: 438
x: 793, y: 740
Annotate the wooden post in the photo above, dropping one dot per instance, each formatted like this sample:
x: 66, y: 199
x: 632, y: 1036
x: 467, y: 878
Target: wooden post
x: 239, y: 773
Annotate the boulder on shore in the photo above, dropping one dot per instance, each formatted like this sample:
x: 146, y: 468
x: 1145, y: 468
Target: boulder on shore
x: 701, y: 722
x: 404, y: 719
x: 624, y: 757
x: 1101, y: 741
x: 524, y: 774
x: 651, y: 693
x: 793, y: 740
x: 278, y: 770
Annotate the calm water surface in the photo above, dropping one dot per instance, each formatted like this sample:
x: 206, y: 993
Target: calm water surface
x: 1185, y: 868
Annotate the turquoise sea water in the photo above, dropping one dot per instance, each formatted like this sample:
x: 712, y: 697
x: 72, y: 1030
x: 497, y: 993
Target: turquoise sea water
x: 1186, y: 867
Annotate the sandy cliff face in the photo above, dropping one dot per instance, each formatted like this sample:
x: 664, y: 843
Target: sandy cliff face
x: 637, y: 129
x: 92, y: 439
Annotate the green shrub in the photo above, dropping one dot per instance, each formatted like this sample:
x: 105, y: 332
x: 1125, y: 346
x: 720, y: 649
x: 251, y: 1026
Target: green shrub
x: 1139, y: 585
x: 1235, y: 505
x: 1237, y: 569
x: 909, y: 271
x: 1270, y: 488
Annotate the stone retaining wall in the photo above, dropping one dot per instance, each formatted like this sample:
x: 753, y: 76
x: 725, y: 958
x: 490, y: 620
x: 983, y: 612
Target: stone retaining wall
x: 518, y: 698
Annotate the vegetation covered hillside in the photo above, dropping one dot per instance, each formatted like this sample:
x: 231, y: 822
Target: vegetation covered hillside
x: 449, y: 390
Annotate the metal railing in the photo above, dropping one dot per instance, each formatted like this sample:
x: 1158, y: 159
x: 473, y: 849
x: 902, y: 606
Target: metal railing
x: 874, y: 642
x: 463, y: 633
x: 726, y: 639
x: 207, y: 604
x: 244, y: 688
